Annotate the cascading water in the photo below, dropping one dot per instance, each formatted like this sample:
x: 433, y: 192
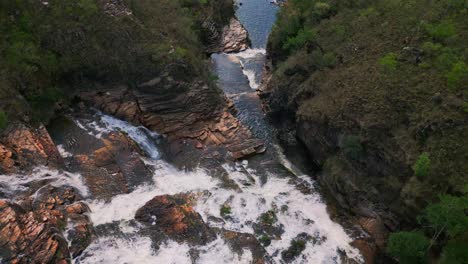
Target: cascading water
x: 298, y: 212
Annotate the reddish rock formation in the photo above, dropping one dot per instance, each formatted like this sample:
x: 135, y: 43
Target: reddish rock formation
x: 32, y: 232
x: 235, y: 37
x: 24, y: 147
x: 197, y: 116
x: 376, y: 229
x: 175, y: 216
x: 111, y: 167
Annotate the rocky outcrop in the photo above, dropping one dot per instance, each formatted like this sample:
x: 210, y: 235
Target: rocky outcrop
x: 33, y: 230
x: 23, y: 147
x: 110, y: 164
x: 198, y: 116
x: 176, y: 218
x: 235, y: 37
x: 239, y: 241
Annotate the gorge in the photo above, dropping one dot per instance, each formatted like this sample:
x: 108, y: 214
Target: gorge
x: 165, y: 131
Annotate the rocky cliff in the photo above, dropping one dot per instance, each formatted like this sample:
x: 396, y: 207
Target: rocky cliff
x: 370, y: 90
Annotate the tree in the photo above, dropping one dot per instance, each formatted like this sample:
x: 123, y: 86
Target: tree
x: 408, y: 247
x: 421, y: 167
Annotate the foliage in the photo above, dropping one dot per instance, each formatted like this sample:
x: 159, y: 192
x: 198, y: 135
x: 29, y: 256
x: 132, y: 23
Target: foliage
x: 448, y: 215
x: 268, y: 218
x: 455, y: 253
x: 441, y: 31
x: 67, y: 43
x: 352, y: 147
x: 225, y: 210
x: 465, y: 107
x: 389, y: 61
x: 265, y: 240
x: 408, y: 247
x: 457, y: 74
x: 422, y: 165
x: 3, y: 119
x: 298, y: 41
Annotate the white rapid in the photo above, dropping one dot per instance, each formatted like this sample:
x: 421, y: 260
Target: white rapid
x: 249, y: 61
x: 12, y: 184
x: 296, y: 212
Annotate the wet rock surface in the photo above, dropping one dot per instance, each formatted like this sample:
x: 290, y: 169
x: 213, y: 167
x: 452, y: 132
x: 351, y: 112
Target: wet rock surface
x: 197, y: 118
x: 176, y: 218
x: 32, y: 231
x: 110, y: 164
x: 235, y: 37
x: 23, y: 147
x: 231, y: 38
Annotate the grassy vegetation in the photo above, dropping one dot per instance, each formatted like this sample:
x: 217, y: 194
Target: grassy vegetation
x: 268, y: 218
x: 50, y: 50
x: 3, y: 119
x: 225, y: 210
x: 399, y: 80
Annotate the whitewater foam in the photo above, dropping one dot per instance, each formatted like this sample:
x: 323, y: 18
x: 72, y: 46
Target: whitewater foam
x: 19, y: 182
x: 167, y: 180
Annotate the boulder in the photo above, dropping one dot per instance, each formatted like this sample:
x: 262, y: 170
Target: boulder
x: 33, y: 232
x: 23, y: 147
x: 235, y: 37
x: 176, y: 218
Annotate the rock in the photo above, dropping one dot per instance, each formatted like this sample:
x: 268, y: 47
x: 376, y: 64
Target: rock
x: 116, y: 8
x: 411, y: 55
x: 110, y: 165
x: 297, y: 246
x: 32, y: 233
x: 367, y: 248
x: 376, y: 229
x: 24, y: 147
x: 196, y: 114
x: 176, y: 218
x: 239, y: 241
x: 235, y: 37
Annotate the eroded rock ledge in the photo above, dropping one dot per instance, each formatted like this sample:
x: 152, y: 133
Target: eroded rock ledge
x: 198, y: 116
x: 232, y: 38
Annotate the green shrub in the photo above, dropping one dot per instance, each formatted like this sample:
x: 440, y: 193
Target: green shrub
x: 465, y: 107
x: 268, y: 218
x: 441, y: 31
x: 408, y: 247
x: 422, y: 165
x: 42, y: 102
x: 446, y: 58
x: 389, y: 61
x: 352, y: 147
x: 225, y: 210
x: 340, y: 31
x: 448, y: 215
x: 297, y: 42
x: 457, y: 74
x: 265, y: 240
x: 3, y: 119
x: 322, y: 9
x: 455, y: 253
x: 368, y: 12
x: 432, y: 48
